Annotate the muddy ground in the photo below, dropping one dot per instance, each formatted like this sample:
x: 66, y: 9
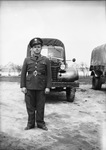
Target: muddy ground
x: 80, y: 125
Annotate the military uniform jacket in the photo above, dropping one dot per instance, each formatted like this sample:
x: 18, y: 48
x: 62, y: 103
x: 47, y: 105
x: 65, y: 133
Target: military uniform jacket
x: 36, y: 74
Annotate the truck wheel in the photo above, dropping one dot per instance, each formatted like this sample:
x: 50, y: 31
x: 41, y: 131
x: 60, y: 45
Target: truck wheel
x: 96, y: 83
x: 70, y: 94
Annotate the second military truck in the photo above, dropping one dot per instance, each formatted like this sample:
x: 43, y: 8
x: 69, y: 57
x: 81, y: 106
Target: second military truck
x: 98, y: 66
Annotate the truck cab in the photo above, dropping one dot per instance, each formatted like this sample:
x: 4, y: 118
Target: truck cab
x: 63, y: 79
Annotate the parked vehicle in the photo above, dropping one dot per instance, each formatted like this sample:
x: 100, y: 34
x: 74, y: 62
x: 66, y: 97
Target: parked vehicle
x: 63, y: 79
x: 98, y: 66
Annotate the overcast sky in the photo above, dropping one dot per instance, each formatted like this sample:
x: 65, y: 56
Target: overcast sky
x: 81, y: 26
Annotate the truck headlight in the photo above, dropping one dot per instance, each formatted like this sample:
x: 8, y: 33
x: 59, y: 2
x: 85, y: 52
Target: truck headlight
x: 62, y: 67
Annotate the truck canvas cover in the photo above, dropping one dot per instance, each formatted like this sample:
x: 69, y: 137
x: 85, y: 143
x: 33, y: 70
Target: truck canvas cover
x: 50, y: 42
x: 53, y: 42
x: 98, y: 56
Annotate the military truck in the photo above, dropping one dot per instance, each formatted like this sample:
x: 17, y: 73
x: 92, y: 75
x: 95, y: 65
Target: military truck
x: 98, y: 66
x: 63, y: 79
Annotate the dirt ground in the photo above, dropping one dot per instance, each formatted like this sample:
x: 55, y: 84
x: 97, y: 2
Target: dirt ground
x: 80, y: 125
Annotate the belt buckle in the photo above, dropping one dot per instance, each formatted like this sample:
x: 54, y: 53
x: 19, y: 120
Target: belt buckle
x: 35, y: 73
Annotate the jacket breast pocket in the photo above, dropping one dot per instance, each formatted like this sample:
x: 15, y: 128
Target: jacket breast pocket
x: 42, y: 63
x: 30, y: 65
x: 42, y: 66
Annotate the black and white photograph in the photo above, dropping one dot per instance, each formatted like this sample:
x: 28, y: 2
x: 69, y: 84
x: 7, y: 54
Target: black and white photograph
x: 52, y: 75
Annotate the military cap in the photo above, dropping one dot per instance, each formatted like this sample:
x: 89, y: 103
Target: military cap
x: 36, y: 41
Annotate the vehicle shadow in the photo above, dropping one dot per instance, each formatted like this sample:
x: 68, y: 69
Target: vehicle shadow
x: 103, y: 88
x: 56, y: 97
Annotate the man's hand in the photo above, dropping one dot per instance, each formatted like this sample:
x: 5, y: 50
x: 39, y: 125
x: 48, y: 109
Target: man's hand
x: 47, y: 90
x: 24, y: 90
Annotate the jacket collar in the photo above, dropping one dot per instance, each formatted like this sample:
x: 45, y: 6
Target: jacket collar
x: 34, y: 58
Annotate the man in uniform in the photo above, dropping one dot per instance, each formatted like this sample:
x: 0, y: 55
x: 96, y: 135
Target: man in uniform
x: 35, y: 83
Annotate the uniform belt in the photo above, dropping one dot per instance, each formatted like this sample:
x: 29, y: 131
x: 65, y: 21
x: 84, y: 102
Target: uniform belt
x: 36, y: 72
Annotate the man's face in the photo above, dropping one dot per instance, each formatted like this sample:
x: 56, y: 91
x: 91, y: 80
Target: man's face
x: 36, y: 49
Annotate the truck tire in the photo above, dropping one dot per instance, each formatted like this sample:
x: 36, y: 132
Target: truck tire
x: 70, y: 94
x: 96, y: 83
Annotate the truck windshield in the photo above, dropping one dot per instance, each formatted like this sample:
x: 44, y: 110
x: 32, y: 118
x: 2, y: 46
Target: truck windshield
x: 53, y: 52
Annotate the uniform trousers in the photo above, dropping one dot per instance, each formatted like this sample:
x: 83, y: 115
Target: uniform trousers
x: 35, y: 101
